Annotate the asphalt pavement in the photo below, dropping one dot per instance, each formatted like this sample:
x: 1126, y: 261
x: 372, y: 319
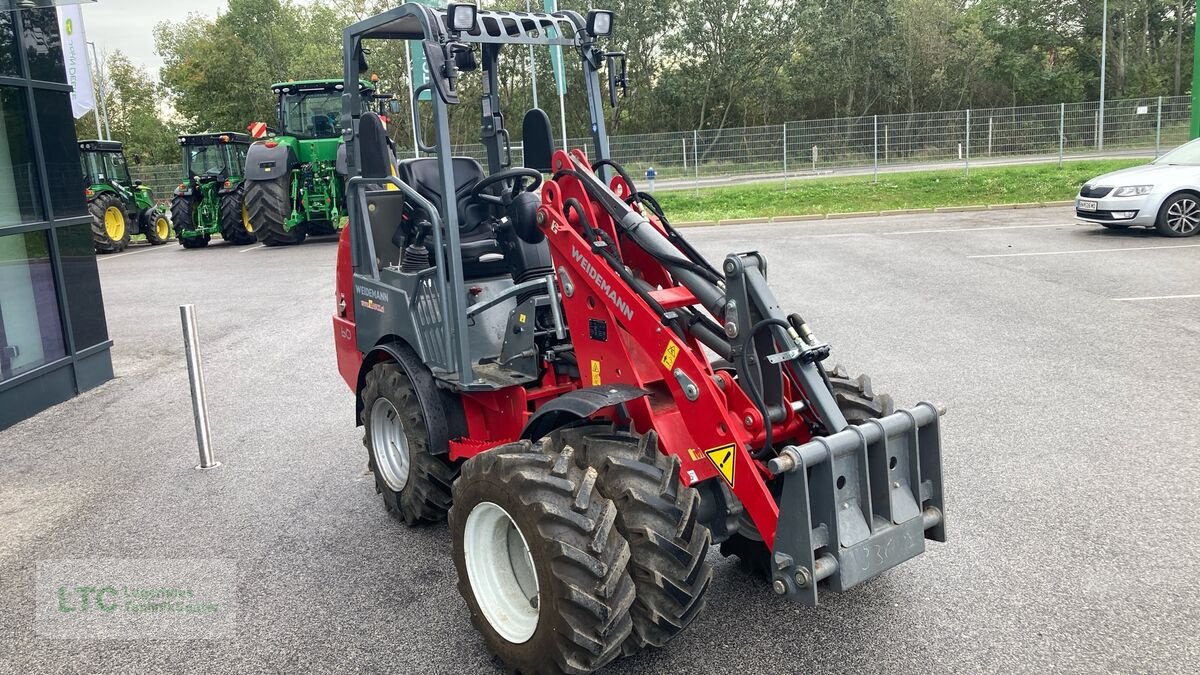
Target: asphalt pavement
x: 1066, y: 355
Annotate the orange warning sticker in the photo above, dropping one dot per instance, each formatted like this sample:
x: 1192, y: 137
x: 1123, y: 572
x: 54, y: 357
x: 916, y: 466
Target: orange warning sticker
x: 669, y: 356
x: 722, y: 458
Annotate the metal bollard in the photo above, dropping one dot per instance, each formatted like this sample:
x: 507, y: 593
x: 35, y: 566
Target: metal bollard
x: 191, y: 347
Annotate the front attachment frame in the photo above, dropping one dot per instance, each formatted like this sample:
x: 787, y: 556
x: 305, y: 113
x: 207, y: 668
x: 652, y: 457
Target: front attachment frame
x: 858, y: 502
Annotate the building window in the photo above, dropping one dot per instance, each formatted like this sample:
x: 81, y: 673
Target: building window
x: 82, y: 280
x: 43, y: 45
x: 19, y: 183
x: 30, y: 329
x: 57, y: 125
x: 8, y: 46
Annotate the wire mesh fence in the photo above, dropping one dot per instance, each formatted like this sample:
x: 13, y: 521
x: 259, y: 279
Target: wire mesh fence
x: 1151, y: 125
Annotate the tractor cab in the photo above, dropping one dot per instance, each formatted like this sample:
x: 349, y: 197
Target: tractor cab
x: 213, y: 158
x: 312, y: 109
x: 104, y: 164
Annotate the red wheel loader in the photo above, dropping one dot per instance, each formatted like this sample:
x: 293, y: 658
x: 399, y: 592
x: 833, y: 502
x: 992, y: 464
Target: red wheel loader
x: 539, y: 356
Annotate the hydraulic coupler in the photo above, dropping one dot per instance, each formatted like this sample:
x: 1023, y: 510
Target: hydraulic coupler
x: 858, y: 502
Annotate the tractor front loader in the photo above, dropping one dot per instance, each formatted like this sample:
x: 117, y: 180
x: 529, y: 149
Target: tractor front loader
x: 293, y: 186
x: 120, y: 206
x: 212, y: 198
x: 540, y: 356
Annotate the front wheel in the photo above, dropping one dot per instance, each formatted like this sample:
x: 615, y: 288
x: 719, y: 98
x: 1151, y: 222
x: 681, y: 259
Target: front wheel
x: 156, y: 225
x: 1179, y: 216
x: 540, y: 562
x: 269, y: 205
x: 415, y: 484
x: 183, y: 212
x: 235, y: 218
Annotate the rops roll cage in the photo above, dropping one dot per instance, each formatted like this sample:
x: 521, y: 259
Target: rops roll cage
x: 492, y: 30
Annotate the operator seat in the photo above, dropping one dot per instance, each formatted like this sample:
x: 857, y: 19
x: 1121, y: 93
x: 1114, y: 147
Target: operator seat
x: 481, y: 254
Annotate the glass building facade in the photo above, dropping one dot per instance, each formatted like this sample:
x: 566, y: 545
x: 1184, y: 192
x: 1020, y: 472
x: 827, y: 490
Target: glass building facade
x: 53, y: 337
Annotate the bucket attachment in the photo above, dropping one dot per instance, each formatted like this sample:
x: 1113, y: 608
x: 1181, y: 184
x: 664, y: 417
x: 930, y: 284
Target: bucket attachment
x: 858, y: 502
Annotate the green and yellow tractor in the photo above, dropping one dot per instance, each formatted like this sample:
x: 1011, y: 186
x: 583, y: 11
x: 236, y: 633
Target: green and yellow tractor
x: 293, y: 187
x: 212, y: 198
x: 120, y: 206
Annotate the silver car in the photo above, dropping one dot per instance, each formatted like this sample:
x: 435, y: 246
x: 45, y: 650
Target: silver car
x: 1164, y: 195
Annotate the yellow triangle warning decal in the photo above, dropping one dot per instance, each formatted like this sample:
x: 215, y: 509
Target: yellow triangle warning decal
x: 722, y: 457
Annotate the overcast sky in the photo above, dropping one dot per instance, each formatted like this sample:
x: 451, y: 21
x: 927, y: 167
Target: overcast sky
x: 128, y: 25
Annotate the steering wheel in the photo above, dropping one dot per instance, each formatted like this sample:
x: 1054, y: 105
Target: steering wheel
x: 515, y: 180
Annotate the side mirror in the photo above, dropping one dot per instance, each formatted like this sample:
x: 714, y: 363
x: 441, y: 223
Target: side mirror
x: 394, y: 107
x: 137, y: 159
x: 363, y: 66
x: 618, y: 76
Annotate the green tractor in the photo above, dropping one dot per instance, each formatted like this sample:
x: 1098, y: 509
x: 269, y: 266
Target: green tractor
x: 293, y: 187
x: 212, y: 200
x: 120, y: 206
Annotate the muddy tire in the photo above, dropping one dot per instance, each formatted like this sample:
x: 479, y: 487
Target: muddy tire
x: 235, y: 218
x: 110, y: 224
x: 540, y: 562
x: 859, y: 403
x: 414, y: 483
x: 656, y: 514
x: 269, y: 205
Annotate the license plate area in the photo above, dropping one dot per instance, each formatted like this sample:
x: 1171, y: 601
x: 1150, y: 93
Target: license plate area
x: 1087, y: 205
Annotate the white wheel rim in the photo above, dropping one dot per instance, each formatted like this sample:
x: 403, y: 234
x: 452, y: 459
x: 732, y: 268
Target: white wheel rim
x: 390, y: 444
x: 500, y: 569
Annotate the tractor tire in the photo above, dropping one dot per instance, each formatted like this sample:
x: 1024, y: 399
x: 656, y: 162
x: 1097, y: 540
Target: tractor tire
x: 561, y: 604
x: 181, y: 216
x: 858, y: 403
x: 268, y: 203
x: 235, y: 218
x: 657, y: 515
x: 110, y: 224
x: 414, y: 483
x: 156, y: 225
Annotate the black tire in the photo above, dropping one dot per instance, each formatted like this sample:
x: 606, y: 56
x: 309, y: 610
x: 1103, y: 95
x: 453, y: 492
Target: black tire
x: 99, y: 207
x: 182, y: 208
x: 859, y: 403
x: 320, y: 228
x: 269, y: 203
x: 1179, y: 216
x: 656, y: 514
x: 235, y: 218
x: 150, y: 226
x: 422, y: 494
x: 579, y: 559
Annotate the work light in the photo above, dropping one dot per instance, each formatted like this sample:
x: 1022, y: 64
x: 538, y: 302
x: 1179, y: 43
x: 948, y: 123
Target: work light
x: 462, y: 16
x: 599, y: 22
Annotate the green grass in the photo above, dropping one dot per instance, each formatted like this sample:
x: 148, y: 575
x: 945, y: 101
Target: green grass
x: 916, y: 190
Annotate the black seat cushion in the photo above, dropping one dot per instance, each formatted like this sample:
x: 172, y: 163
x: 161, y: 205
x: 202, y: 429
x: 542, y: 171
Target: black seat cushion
x: 475, y: 237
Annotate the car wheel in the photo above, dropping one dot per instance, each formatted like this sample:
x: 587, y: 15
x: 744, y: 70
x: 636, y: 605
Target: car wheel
x: 1179, y: 216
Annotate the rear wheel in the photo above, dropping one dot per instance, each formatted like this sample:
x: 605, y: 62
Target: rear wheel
x: 858, y: 402
x: 269, y: 205
x: 415, y: 484
x: 183, y: 209
x: 540, y: 561
x: 156, y: 225
x: 110, y: 225
x: 656, y: 514
x: 235, y: 218
x: 1179, y: 216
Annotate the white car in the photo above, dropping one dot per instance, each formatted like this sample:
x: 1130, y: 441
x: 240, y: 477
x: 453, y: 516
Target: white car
x: 1164, y: 195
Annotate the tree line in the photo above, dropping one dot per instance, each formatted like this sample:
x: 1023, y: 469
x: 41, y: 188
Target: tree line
x: 693, y: 64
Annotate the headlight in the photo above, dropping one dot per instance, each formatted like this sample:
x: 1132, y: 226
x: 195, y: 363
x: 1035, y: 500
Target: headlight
x: 1134, y: 191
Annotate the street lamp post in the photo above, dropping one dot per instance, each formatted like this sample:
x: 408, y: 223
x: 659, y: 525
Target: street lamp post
x: 1103, y: 72
x: 101, y: 104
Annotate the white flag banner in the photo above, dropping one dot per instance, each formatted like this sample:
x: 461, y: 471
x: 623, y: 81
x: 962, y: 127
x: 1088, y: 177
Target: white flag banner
x: 75, y: 54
